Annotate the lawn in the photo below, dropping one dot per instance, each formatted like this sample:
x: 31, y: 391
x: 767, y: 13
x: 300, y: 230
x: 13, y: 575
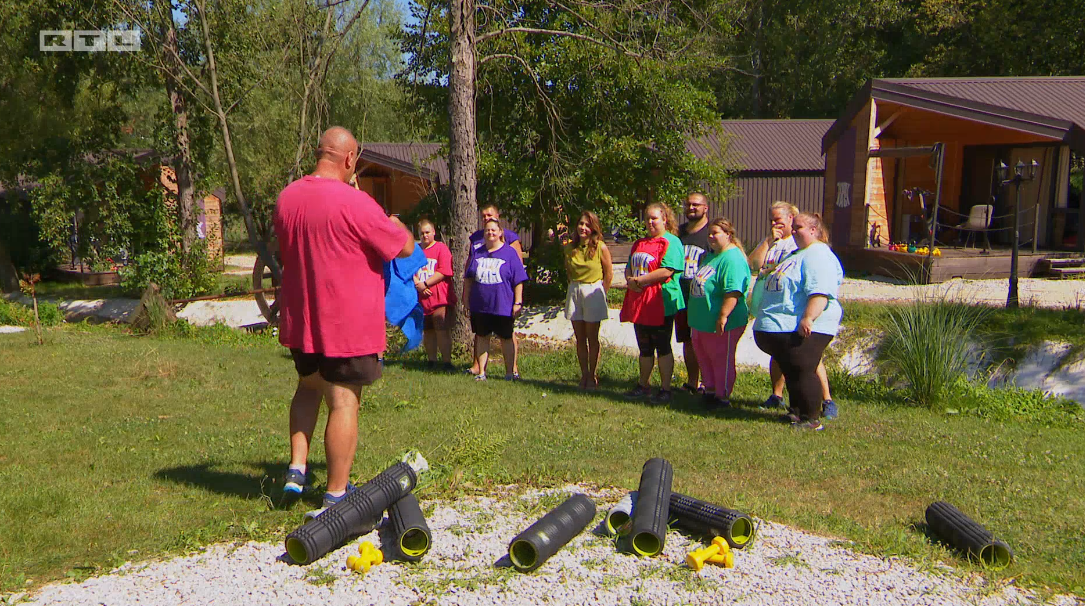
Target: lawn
x: 121, y: 447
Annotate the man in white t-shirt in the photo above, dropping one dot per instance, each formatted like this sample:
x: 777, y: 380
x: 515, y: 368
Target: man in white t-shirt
x: 769, y: 253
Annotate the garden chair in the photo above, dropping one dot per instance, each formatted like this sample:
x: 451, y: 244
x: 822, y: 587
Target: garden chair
x: 979, y: 220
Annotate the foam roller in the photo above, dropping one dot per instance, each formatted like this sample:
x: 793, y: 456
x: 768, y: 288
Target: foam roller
x: 409, y: 529
x: 347, y: 517
x: 700, y: 517
x: 544, y: 538
x: 959, y: 531
x: 648, y: 529
x: 617, y: 520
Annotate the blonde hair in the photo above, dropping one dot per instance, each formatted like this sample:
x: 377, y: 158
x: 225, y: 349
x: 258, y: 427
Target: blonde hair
x: 669, y: 219
x: 823, y: 234
x: 728, y: 228
x: 785, y: 206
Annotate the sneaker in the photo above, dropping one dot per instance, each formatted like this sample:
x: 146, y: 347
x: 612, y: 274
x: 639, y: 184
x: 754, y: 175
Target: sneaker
x: 295, y: 482
x: 700, y: 389
x: 708, y: 399
x: 828, y: 410
x: 329, y: 501
x: 812, y: 425
x: 774, y: 401
x: 662, y: 397
x: 480, y: 376
x: 638, y: 392
x: 513, y: 377
x: 722, y: 403
x: 792, y: 416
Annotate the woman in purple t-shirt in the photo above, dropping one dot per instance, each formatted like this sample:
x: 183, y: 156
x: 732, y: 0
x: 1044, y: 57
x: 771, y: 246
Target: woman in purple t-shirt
x: 494, y: 290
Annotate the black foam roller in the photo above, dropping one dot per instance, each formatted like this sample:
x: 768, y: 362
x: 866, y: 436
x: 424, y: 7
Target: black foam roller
x: 409, y: 529
x: 700, y: 517
x: 349, y: 516
x: 544, y: 538
x: 648, y: 529
x: 959, y: 531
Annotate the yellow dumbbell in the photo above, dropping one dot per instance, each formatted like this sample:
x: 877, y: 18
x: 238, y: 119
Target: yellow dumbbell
x: 368, y: 556
x: 718, y: 549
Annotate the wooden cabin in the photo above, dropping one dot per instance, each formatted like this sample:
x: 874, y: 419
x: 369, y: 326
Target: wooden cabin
x: 399, y: 175
x: 904, y: 147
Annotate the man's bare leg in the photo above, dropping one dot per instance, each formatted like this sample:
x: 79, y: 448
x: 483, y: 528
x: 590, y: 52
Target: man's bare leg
x: 341, y: 434
x: 777, y: 377
x: 304, y: 409
x: 482, y: 353
x: 693, y: 368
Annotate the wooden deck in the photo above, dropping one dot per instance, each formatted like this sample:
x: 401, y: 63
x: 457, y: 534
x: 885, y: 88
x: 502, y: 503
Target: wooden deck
x: 968, y: 263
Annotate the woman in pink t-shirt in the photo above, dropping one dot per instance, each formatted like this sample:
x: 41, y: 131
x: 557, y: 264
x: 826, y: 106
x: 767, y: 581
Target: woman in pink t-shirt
x: 434, y: 284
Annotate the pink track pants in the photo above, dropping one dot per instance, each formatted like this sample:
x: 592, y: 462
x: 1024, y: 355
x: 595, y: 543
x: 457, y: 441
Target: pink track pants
x: 716, y: 356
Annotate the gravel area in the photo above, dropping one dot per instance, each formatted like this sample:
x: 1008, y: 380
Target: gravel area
x: 468, y: 565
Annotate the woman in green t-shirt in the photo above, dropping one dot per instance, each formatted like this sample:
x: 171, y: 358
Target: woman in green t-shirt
x: 717, y: 311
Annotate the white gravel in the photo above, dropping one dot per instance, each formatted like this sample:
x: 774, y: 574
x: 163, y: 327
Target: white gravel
x: 468, y: 566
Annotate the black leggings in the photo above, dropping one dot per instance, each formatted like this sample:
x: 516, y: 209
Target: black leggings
x: 654, y: 340
x: 798, y: 359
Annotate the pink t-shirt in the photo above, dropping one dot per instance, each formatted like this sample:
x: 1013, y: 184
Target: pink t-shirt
x: 438, y: 260
x: 334, y: 241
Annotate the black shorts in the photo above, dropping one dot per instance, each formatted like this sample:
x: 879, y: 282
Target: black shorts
x: 681, y: 327
x: 359, y: 370
x: 484, y: 325
x: 654, y: 340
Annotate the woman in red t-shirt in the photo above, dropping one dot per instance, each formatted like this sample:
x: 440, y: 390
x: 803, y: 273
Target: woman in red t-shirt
x: 434, y: 284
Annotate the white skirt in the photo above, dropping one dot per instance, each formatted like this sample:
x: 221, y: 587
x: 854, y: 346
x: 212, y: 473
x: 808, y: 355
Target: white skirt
x: 586, y: 302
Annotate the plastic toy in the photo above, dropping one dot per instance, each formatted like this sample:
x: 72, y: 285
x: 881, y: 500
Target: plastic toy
x: 368, y: 557
x: 529, y: 549
x: 650, y: 516
x: 718, y: 553
x: 959, y: 531
x: 617, y: 520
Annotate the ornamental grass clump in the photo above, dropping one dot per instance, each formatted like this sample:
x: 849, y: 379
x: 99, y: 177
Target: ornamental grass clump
x: 927, y: 347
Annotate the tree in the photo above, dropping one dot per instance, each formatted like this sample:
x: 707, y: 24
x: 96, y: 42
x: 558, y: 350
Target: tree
x: 557, y: 105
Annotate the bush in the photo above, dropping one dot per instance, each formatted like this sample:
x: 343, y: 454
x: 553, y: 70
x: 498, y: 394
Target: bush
x: 17, y: 314
x: 1015, y: 403
x: 927, y: 347
x: 180, y: 276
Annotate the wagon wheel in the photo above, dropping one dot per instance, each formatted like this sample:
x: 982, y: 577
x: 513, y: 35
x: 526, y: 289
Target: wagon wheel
x: 262, y: 278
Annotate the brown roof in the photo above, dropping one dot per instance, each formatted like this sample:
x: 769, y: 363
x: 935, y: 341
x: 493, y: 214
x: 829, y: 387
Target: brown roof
x: 423, y: 159
x: 1050, y: 106
x: 767, y: 145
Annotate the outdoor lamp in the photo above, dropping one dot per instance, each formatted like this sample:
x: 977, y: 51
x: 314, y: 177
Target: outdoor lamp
x: 1003, y: 170
x: 1032, y: 168
x: 1019, y: 168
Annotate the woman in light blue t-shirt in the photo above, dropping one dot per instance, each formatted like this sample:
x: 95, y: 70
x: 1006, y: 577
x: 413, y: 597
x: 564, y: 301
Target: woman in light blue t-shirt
x: 799, y: 314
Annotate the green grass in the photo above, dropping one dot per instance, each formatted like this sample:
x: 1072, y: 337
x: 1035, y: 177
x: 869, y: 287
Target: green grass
x: 120, y: 447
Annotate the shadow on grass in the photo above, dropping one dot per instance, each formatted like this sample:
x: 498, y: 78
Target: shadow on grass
x: 265, y: 485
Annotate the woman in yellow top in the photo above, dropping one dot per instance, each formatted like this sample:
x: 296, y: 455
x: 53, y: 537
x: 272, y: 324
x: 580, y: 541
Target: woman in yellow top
x: 587, y: 261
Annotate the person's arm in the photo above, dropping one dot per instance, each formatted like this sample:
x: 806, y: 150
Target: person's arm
x: 517, y: 299
x: 408, y: 246
x: 757, y: 256
x: 815, y: 304
x: 435, y: 279
x: 519, y: 248
x: 730, y: 301
x: 657, y: 276
x: 608, y: 265
x: 467, y: 284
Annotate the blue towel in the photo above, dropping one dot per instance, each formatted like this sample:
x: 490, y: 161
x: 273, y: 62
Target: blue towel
x: 401, y: 306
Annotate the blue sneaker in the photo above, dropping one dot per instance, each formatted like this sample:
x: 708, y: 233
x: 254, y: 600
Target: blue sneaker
x: 774, y: 401
x: 295, y: 482
x: 330, y: 501
x: 828, y: 410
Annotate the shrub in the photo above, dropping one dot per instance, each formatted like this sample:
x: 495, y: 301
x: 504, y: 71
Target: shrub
x: 1015, y: 403
x: 927, y: 347
x: 17, y: 314
x: 180, y: 276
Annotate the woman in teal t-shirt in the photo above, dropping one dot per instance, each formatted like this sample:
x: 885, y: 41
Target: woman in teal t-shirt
x: 717, y: 311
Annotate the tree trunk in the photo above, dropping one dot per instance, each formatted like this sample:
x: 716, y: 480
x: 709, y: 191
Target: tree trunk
x: 186, y: 196
x: 258, y: 243
x: 9, y: 277
x: 463, y: 156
